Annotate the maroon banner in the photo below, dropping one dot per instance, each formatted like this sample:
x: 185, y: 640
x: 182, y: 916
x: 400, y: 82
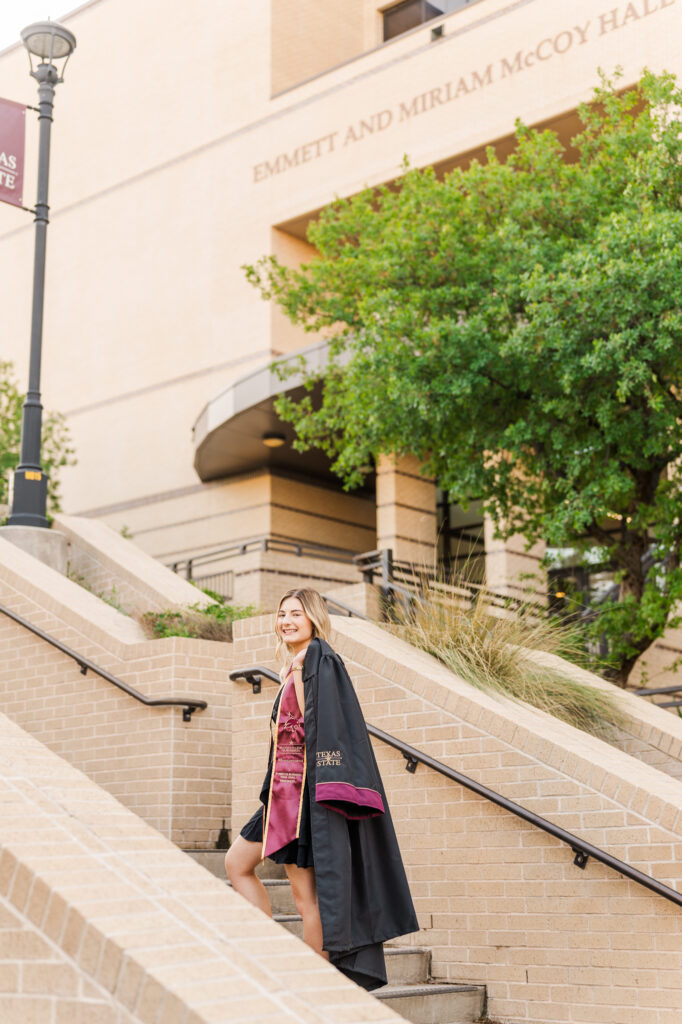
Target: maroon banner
x: 12, y: 137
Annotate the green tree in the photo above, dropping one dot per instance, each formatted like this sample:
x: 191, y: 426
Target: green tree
x: 518, y: 327
x: 56, y: 441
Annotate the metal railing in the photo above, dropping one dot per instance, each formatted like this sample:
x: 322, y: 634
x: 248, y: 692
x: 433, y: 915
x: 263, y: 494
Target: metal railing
x: 407, y: 582
x: 413, y: 757
x: 188, y: 704
x: 221, y: 583
x: 345, y: 608
x: 301, y: 549
x: 677, y: 688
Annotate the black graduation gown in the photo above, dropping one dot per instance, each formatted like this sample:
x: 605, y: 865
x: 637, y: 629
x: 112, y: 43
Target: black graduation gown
x: 362, y: 889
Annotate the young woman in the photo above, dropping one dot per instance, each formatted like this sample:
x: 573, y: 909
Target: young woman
x: 324, y: 813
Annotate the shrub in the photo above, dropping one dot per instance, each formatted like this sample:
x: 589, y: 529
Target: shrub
x: 491, y: 649
x: 211, y: 623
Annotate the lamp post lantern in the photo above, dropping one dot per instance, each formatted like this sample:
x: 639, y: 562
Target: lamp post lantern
x: 52, y: 43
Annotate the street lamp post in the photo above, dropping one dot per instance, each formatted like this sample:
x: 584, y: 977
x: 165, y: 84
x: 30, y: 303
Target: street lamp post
x: 51, y: 42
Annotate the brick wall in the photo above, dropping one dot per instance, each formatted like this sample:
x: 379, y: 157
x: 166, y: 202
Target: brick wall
x: 103, y: 921
x: 174, y: 774
x: 500, y: 902
x: 307, y: 39
x: 406, y: 510
x: 261, y: 577
x: 322, y: 515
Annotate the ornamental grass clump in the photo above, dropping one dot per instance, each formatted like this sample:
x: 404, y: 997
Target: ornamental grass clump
x: 498, y: 649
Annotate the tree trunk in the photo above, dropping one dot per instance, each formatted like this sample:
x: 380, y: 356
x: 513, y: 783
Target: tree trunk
x: 622, y: 673
x: 630, y: 554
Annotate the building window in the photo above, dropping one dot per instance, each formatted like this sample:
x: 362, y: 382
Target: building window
x: 411, y: 13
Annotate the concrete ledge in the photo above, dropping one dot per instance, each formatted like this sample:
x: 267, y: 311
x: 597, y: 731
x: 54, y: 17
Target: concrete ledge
x: 127, y: 928
x: 53, y: 590
x: 48, y: 546
x: 106, y: 559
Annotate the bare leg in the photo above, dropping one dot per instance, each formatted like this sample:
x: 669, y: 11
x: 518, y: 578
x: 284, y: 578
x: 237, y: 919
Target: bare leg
x: 241, y: 861
x: 305, y: 896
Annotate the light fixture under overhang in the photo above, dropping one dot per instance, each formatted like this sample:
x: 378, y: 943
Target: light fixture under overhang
x: 271, y: 440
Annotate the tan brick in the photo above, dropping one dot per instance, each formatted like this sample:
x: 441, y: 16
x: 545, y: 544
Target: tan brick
x: 110, y: 963
x: 21, y: 885
x: 52, y: 979
x: 9, y: 978
x: 8, y: 867
x: 174, y: 1010
x: 78, y: 1012
x: 25, y: 1010
x: 72, y: 935
x: 129, y: 983
x: 22, y: 945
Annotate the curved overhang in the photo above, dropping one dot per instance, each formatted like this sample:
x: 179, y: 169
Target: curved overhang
x: 228, y: 435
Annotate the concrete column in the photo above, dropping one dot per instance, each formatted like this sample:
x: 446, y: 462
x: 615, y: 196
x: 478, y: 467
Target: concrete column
x: 507, y: 562
x: 48, y: 546
x: 406, y: 511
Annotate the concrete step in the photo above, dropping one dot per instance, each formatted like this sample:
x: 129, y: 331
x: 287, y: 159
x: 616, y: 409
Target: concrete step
x: 268, y: 869
x: 409, y: 991
x: 435, y: 1002
x: 407, y: 965
x: 280, y: 896
x: 404, y: 965
x: 292, y: 922
x: 214, y: 861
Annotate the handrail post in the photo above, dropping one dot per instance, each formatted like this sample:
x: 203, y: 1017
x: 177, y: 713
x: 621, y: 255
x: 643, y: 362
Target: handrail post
x: 386, y: 566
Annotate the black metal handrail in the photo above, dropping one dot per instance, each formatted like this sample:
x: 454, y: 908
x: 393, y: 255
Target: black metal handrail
x: 659, y: 690
x: 350, y: 612
x: 410, y: 582
x: 676, y: 688
x: 189, y: 704
x: 413, y: 757
x: 299, y: 548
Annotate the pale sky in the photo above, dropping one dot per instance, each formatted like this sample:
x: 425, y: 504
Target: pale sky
x: 17, y: 14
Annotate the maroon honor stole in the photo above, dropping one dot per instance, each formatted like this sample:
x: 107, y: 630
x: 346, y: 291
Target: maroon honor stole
x: 283, y: 817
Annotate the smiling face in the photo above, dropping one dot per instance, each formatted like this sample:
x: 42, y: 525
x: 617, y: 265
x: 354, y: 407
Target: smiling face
x: 293, y: 625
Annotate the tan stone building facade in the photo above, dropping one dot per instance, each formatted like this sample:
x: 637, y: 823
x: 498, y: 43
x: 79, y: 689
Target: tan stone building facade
x: 192, y: 139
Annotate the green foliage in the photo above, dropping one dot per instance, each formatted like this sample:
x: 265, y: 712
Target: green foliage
x: 110, y: 597
x: 214, y: 622
x: 56, y: 442
x: 517, y: 326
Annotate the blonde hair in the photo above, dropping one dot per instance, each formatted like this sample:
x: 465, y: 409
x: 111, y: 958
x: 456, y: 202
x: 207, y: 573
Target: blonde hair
x: 316, y: 610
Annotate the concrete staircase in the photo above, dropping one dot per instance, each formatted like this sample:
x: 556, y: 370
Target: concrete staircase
x: 410, y: 991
